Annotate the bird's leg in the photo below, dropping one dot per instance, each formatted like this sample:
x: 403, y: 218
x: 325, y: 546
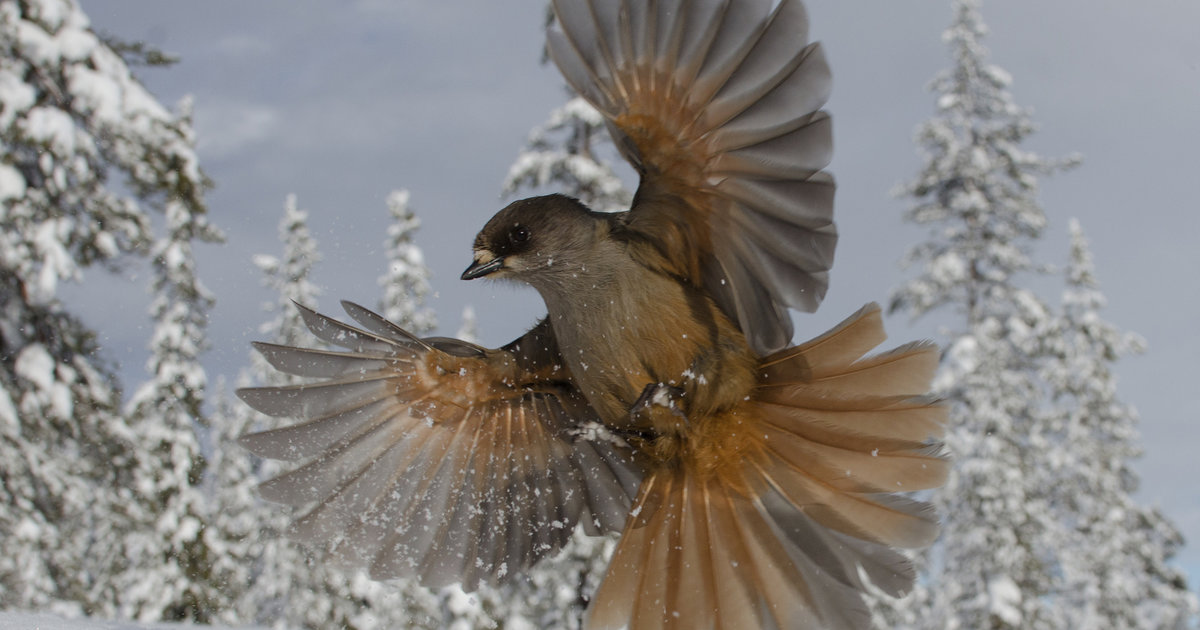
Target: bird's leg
x: 655, y: 397
x: 660, y: 408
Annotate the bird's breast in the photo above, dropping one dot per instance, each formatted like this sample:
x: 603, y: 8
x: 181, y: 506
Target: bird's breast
x: 645, y: 328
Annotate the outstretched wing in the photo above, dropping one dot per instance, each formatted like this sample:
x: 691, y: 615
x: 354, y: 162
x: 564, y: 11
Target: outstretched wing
x: 718, y: 108
x: 437, y: 458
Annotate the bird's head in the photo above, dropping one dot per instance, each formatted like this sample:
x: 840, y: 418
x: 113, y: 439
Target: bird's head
x: 539, y: 241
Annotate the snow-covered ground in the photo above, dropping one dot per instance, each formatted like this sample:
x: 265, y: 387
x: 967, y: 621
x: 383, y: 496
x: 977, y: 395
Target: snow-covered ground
x: 45, y: 621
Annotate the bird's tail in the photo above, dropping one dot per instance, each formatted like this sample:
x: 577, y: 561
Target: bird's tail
x: 784, y: 534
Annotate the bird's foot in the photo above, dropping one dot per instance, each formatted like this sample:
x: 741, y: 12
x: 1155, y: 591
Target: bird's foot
x: 660, y: 406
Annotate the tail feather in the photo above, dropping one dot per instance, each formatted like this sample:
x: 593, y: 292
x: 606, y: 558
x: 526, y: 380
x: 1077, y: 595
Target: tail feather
x: 841, y: 345
x: 858, y: 514
x: 905, y: 370
x: 612, y: 604
x: 810, y: 514
x: 712, y: 557
x: 870, y: 470
x: 885, y: 567
x: 901, y: 428
x: 655, y: 596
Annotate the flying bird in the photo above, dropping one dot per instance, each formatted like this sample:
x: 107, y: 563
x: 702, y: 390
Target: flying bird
x: 755, y: 483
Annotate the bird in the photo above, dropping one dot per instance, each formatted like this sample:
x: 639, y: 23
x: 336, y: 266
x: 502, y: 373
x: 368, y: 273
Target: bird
x: 755, y: 482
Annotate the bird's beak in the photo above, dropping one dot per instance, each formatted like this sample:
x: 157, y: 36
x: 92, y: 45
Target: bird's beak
x: 484, y: 264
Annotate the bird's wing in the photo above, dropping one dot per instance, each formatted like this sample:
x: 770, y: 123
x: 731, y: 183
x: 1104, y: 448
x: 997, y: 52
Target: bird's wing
x: 718, y: 108
x: 437, y: 458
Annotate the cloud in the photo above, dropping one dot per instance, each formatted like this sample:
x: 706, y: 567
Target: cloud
x: 226, y: 128
x: 241, y: 45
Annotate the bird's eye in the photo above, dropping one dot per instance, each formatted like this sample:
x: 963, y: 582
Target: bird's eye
x: 519, y: 234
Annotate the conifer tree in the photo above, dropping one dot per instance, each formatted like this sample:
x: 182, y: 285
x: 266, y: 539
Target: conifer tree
x: 406, y: 282
x: 288, y: 278
x: 292, y: 589
x: 237, y: 515
x: 167, y: 546
x: 1116, y: 569
x: 468, y: 330
x: 996, y: 565
x: 567, y: 154
x: 1040, y: 528
x: 564, y: 154
x: 72, y: 117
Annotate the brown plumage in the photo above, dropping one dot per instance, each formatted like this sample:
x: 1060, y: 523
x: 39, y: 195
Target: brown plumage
x: 756, y: 483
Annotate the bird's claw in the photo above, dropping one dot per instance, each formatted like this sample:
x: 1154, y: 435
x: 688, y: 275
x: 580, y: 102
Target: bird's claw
x: 656, y: 401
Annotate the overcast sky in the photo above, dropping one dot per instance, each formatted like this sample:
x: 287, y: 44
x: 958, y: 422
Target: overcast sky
x: 342, y: 102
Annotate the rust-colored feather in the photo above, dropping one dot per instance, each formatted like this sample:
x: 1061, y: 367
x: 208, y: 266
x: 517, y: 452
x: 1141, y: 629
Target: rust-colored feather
x: 794, y: 494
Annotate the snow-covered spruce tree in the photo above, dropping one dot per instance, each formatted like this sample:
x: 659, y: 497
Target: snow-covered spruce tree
x: 1116, y: 571
x: 237, y: 515
x: 562, y: 155
x: 468, y: 330
x: 288, y: 277
x: 285, y: 591
x: 72, y: 117
x: 169, y: 573
x: 289, y: 589
x: 406, y: 282
x: 997, y: 562
x: 995, y: 565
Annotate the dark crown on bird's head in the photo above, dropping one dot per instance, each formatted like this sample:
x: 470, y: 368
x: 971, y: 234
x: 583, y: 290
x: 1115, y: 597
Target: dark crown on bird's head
x: 512, y: 230
x: 532, y: 234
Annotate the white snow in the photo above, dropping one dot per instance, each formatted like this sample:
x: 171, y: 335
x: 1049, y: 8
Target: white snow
x: 101, y: 95
x: 36, y: 42
x: 16, y: 95
x: 10, y: 620
x: 1041, y: 446
x: 12, y: 184
x: 9, y: 426
x: 75, y: 44
x: 35, y: 365
x: 52, y: 127
x: 1004, y: 597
